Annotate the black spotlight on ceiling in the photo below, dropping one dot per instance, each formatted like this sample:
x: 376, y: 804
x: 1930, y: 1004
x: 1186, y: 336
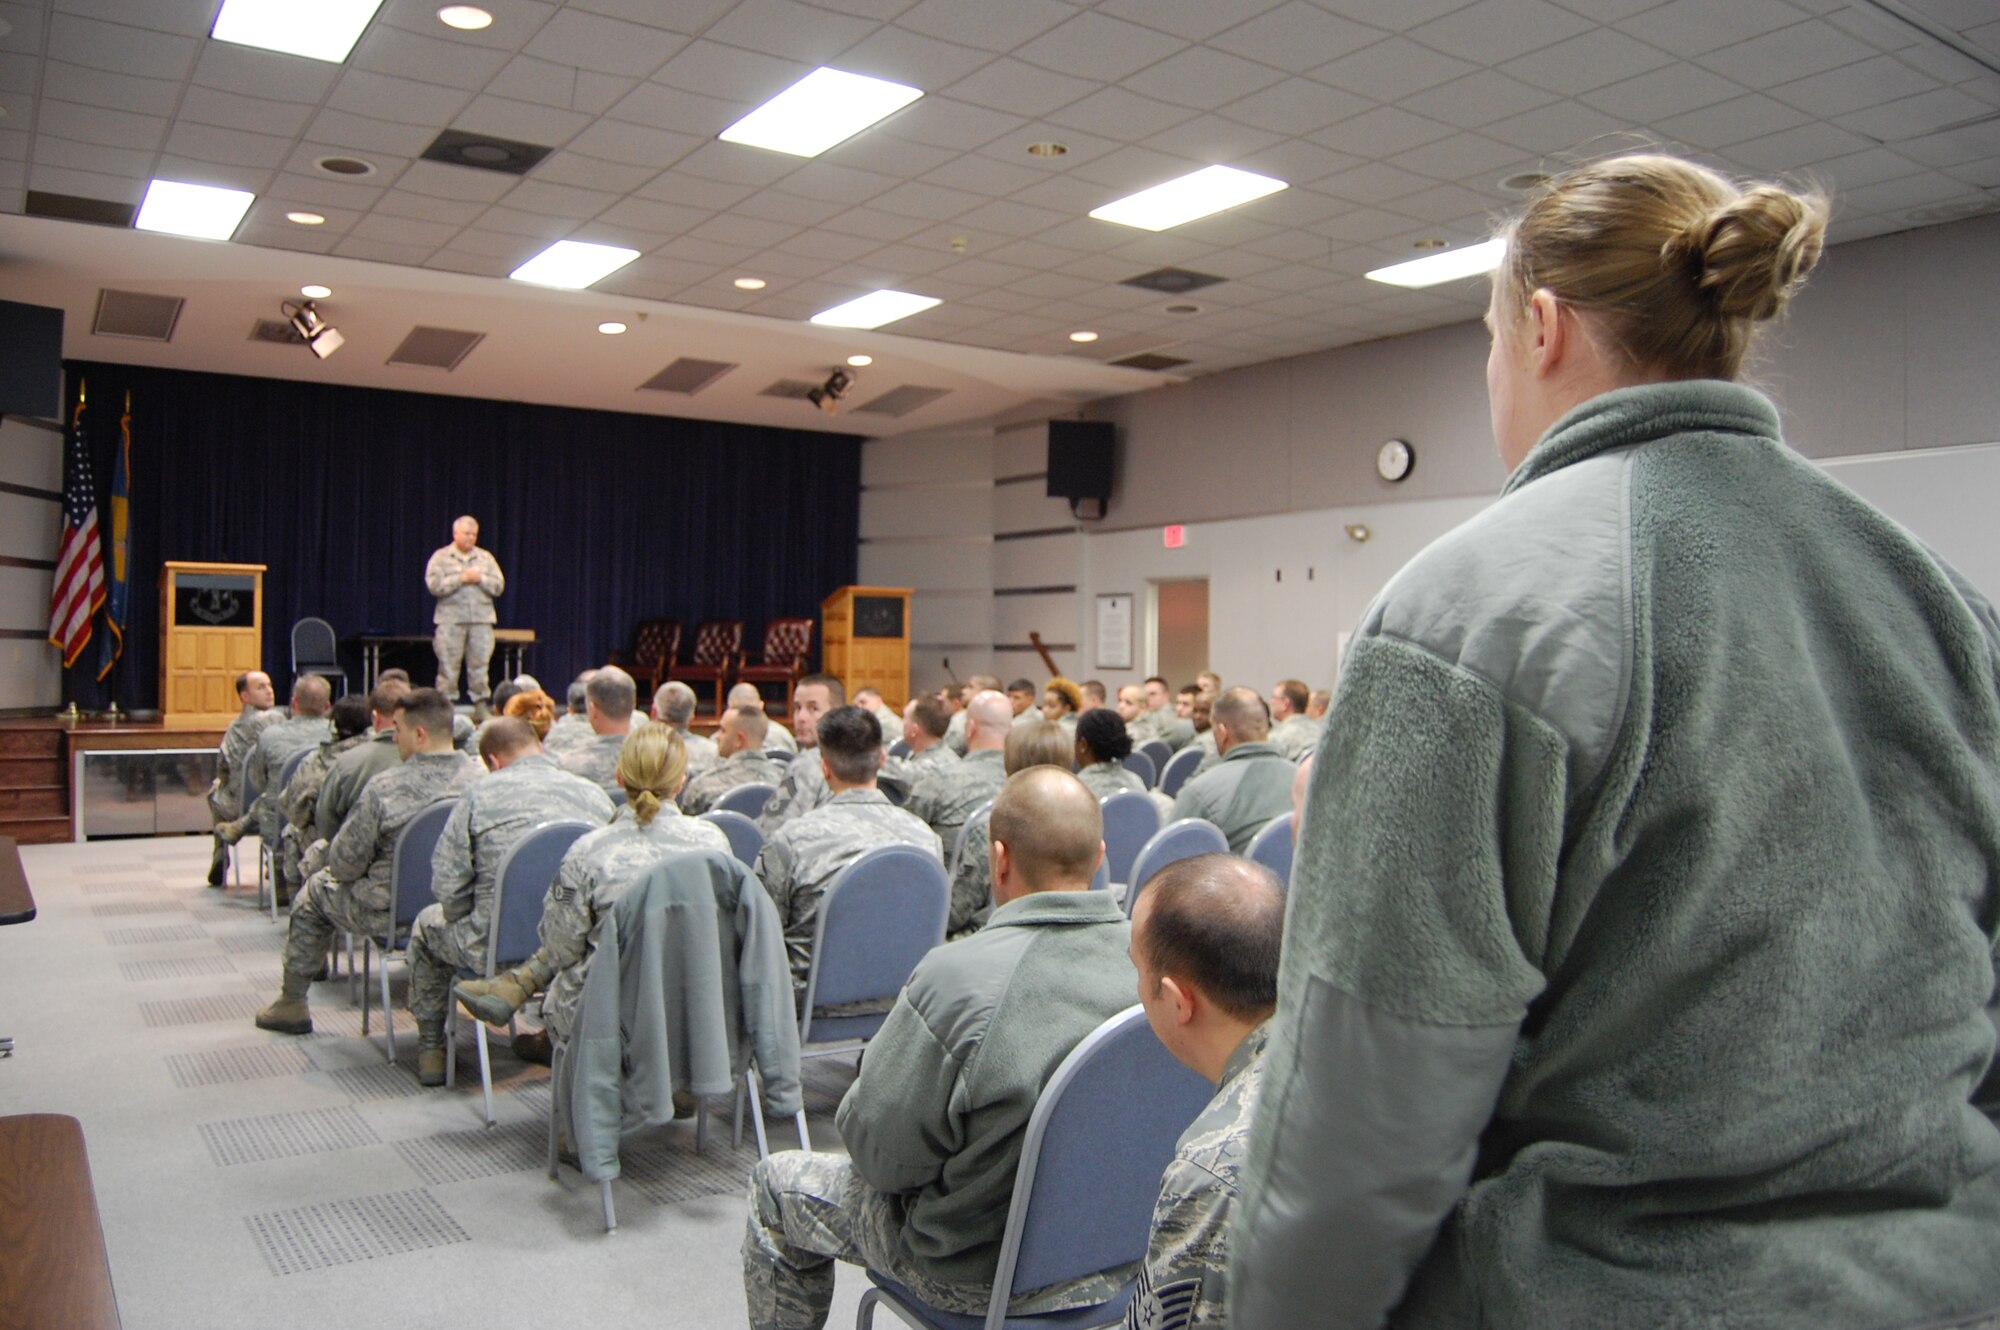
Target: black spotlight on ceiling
x: 322, y: 337
x: 827, y: 396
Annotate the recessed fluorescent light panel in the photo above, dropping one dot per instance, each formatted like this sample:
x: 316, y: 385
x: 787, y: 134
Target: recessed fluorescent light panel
x: 1212, y: 189
x: 1449, y: 266
x: 820, y: 110
x: 318, y: 30
x: 573, y: 264
x: 875, y: 309
x: 203, y: 211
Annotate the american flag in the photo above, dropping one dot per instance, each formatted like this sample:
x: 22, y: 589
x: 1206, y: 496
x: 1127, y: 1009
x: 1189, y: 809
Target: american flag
x: 79, y: 584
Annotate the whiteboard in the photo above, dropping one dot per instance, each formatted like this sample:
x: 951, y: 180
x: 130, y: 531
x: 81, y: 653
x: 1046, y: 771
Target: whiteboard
x: 1949, y: 498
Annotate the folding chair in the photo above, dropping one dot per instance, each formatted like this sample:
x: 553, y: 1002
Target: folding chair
x: 267, y: 854
x: 882, y: 914
x: 748, y: 799
x: 1179, y: 767
x: 1170, y: 844
x: 745, y: 841
x: 1272, y: 847
x: 1161, y: 752
x: 316, y: 650
x: 250, y: 795
x: 1142, y: 766
x: 513, y: 928
x: 1102, y: 1133
x: 410, y: 887
x: 1130, y: 820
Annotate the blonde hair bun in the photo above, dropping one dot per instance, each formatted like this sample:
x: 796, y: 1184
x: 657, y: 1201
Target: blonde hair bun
x: 1756, y: 250
x: 645, y: 804
x: 652, y: 765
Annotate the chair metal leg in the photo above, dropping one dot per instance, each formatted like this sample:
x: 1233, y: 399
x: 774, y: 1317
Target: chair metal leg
x: 610, y: 1216
x: 367, y: 993
x: 805, y: 1142
x: 736, y: 1137
x: 555, y: 1108
x: 485, y: 1069
x: 757, y: 1115
x: 864, y: 1315
x: 451, y: 1048
x: 701, y: 1124
x: 388, y: 1012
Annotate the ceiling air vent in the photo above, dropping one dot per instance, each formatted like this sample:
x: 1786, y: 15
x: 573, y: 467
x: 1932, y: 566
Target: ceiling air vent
x: 794, y: 388
x: 135, y: 314
x: 688, y: 376
x: 75, y: 208
x: 485, y: 152
x: 901, y: 401
x: 1152, y: 360
x: 276, y: 330
x: 435, y: 348
x: 1172, y: 281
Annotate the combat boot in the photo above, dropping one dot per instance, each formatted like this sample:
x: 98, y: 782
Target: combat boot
x: 534, y: 1046
x: 229, y: 833
x: 496, y: 1000
x: 288, y: 1015
x: 430, y: 1055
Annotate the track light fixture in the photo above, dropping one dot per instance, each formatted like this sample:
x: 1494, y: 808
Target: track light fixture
x: 827, y: 396
x: 321, y: 337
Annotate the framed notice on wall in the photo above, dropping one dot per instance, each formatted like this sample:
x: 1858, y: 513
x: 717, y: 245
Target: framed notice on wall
x: 1114, y: 631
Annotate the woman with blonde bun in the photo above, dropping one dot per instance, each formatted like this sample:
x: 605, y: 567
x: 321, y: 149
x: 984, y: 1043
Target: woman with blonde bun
x: 1640, y: 945
x: 652, y: 767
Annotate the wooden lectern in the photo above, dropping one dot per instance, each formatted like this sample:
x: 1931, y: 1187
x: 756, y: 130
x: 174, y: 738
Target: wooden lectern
x: 864, y: 633
x: 211, y: 630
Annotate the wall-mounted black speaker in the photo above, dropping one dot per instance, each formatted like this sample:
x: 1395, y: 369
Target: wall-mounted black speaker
x: 1080, y: 460
x: 31, y: 364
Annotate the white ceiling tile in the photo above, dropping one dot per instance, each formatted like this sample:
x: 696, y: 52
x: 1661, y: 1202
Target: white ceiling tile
x: 98, y: 124
x: 991, y: 27
x: 281, y: 235
x: 944, y: 123
x: 597, y: 93
x: 1298, y: 207
x: 1391, y: 70
x: 1204, y: 77
x: 569, y: 168
x: 828, y: 246
x: 693, y: 191
x: 1297, y: 161
x: 1068, y: 194
x: 1296, y: 106
x: 789, y: 29
x: 85, y: 184
x: 632, y: 145
x: 454, y: 259
x: 136, y: 163
x: 658, y: 218
x: 776, y: 263
x: 1442, y: 203
x: 879, y: 152
x: 535, y: 226
x: 837, y: 183
x: 913, y: 199
x: 1956, y: 148
x: 382, y: 251
x: 522, y: 121
x: 1875, y: 27
x: 1804, y: 49
x: 739, y: 77
x: 313, y: 190
x: 1210, y: 138
x: 1402, y: 15
x: 1128, y: 169
x: 1984, y: 174
x: 1459, y: 157
x: 1792, y: 149
x: 280, y: 78
x: 1196, y: 20
x: 1384, y: 131
x: 771, y: 205
x: 1032, y: 254
x: 608, y: 45
x: 1916, y: 191
x: 384, y: 97
x: 1649, y: 98
x: 422, y: 207
x: 527, y: 79
x: 159, y: 15
x: 458, y: 183
x: 680, y: 16
x: 1297, y: 36
x: 365, y: 135
x: 1497, y: 30
x: 1375, y: 182
x: 698, y: 250
x: 305, y: 157
x: 1098, y: 47
x: 658, y: 106
x: 406, y: 230
x: 873, y: 224
x: 21, y: 71
x: 212, y: 106
x: 533, y: 195
x: 1611, y: 11
x: 1730, y: 122
x: 1589, y: 60
x: 1009, y: 218
x: 737, y: 230
x: 127, y: 92
x: 1023, y: 89
x: 1695, y: 27
x: 1477, y: 99
x: 1914, y: 117
x: 1870, y: 166
x: 426, y: 59
x: 915, y: 260
x: 230, y: 147
x: 118, y: 49
x: 1118, y: 114
x: 989, y: 175
x: 1944, y: 63
x: 912, y: 59
x: 514, y: 21
x: 1567, y: 129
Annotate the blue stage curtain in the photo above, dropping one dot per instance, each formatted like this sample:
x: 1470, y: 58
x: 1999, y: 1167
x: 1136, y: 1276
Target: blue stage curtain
x: 598, y: 518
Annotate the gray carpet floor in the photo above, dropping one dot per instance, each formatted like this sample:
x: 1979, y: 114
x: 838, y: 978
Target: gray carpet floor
x: 251, y: 1179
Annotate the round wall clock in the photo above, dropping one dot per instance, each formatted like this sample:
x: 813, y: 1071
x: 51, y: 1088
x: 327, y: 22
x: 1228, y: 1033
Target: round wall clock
x: 1394, y: 459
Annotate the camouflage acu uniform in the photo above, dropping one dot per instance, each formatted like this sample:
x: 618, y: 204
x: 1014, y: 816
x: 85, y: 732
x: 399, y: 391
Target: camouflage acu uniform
x: 593, y: 876
x: 352, y: 893
x: 225, y: 797
x: 464, y: 618
x: 1251, y: 785
x: 301, y: 802
x: 905, y: 770
x: 569, y: 731
x: 799, y: 863
x: 1105, y: 779
x: 1184, y: 1284
x: 1205, y: 743
x: 945, y: 795
x: 276, y: 745
x: 490, y: 817
x: 349, y: 776
x: 779, y: 738
x: 801, y: 789
x: 891, y: 723
x: 954, y: 733
x: 747, y: 767
x: 971, y: 880
x: 596, y: 758
x: 701, y: 752
x: 1295, y: 736
x: 1167, y: 727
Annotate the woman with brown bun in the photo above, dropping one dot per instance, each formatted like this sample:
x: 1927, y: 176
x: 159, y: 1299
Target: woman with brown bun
x: 534, y: 706
x: 1641, y: 938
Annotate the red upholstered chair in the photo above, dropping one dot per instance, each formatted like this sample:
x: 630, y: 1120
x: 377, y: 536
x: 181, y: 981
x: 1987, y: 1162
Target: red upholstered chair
x: 655, y: 644
x: 718, y: 650
x: 787, y: 642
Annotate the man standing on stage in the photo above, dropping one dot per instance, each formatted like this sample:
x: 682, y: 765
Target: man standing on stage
x: 466, y: 580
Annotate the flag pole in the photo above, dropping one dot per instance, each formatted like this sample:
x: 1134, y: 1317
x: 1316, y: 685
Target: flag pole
x: 113, y: 712
x: 69, y: 715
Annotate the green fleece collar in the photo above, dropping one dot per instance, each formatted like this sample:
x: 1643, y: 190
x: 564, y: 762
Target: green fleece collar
x: 1642, y: 414
x: 1258, y: 748
x: 1058, y: 907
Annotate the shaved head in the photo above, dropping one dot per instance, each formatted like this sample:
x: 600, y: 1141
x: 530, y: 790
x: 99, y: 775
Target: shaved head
x: 1243, y: 714
x: 505, y: 738
x: 1050, y: 823
x: 989, y: 715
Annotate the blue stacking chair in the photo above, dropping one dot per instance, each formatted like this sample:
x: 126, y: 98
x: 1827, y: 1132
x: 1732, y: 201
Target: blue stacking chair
x: 250, y: 794
x: 1272, y: 847
x: 410, y: 887
x: 1161, y: 752
x: 1142, y: 766
x: 1102, y: 1133
x: 971, y: 835
x: 882, y: 914
x: 1170, y: 844
x: 267, y: 853
x: 749, y: 799
x: 745, y: 841
x: 1179, y: 767
x: 618, y: 797
x: 513, y: 930
x: 1130, y: 820
x: 899, y: 749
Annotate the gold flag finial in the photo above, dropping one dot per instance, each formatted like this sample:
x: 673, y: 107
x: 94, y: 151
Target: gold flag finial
x: 82, y: 391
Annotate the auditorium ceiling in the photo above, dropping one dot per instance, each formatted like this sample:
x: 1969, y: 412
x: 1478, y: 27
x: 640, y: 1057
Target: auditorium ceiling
x: 1399, y: 127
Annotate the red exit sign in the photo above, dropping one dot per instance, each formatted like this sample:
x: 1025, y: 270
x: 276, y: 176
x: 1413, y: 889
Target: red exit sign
x: 1173, y: 537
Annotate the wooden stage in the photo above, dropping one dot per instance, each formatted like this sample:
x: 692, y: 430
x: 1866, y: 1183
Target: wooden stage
x: 37, y: 757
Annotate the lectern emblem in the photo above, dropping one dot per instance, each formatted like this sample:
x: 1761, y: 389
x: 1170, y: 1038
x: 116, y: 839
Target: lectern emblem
x: 214, y: 606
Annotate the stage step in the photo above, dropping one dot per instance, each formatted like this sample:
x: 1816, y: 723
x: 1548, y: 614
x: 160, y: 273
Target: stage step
x: 35, y: 830
x: 42, y: 743
x: 32, y: 801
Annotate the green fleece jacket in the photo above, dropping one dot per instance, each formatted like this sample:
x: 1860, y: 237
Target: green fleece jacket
x: 937, y: 1116
x: 1641, y: 941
